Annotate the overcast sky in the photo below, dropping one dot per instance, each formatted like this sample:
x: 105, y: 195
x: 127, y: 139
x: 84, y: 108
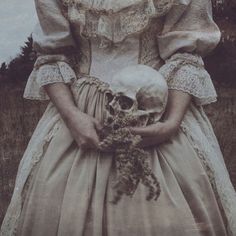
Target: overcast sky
x: 17, y: 20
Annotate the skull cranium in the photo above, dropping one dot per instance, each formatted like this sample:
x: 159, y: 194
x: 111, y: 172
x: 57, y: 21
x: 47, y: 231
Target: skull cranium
x: 141, y: 91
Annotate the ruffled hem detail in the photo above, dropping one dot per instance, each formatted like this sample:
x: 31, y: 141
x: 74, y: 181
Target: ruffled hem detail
x: 185, y: 72
x: 58, y: 72
x: 115, y: 23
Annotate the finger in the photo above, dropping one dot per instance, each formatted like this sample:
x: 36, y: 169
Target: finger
x: 98, y: 125
x: 84, y: 146
x: 148, y: 142
x: 94, y: 141
x: 95, y: 145
x: 143, y: 131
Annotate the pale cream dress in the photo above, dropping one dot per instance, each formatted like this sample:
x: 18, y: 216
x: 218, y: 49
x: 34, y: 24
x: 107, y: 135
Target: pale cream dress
x: 61, y: 190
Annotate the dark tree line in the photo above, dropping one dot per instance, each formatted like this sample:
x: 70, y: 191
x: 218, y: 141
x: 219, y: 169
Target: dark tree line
x: 225, y: 8
x: 21, y: 66
x: 221, y: 63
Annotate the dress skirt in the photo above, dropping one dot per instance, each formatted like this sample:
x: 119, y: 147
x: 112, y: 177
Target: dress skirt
x: 70, y: 191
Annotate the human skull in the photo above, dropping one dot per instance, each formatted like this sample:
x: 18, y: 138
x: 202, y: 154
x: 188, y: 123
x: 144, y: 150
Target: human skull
x: 139, y: 90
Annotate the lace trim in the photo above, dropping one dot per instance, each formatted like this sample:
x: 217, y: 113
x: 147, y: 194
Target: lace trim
x: 186, y: 72
x: 114, y: 6
x: 49, y: 59
x: 204, y: 142
x: 148, y: 52
x: 42, y: 74
x: 208, y: 168
x: 114, y: 25
x: 71, y: 58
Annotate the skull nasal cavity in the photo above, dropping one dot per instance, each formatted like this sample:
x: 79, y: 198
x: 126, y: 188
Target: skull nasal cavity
x: 126, y: 103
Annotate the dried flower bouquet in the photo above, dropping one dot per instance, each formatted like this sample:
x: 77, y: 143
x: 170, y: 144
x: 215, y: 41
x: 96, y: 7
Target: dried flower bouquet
x: 131, y: 162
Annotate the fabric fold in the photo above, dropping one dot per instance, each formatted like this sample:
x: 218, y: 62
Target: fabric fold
x: 189, y: 27
x: 186, y: 72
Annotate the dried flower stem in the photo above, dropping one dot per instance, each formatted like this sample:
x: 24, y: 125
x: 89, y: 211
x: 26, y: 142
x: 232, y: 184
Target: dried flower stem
x: 131, y: 161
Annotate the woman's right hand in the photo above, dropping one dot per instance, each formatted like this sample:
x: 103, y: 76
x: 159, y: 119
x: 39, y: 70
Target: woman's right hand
x: 84, y: 129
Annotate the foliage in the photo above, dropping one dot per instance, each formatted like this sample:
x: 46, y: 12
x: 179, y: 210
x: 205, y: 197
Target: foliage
x: 131, y: 162
x: 3, y: 68
x: 221, y: 63
x: 225, y: 8
x: 21, y: 66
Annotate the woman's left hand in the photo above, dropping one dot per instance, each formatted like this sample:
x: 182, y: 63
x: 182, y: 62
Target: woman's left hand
x: 178, y: 103
x: 155, y: 134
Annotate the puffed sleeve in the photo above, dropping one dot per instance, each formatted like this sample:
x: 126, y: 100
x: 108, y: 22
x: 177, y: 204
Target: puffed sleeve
x: 54, y: 45
x: 189, y: 33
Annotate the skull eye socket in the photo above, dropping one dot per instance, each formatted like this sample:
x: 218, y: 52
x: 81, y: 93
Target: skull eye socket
x: 125, y: 103
x: 109, y: 97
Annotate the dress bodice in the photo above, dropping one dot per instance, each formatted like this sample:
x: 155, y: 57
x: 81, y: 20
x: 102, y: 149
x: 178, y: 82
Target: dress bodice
x: 111, y: 19
x: 116, y: 34
x: 97, y: 37
x: 107, y: 58
x: 106, y: 61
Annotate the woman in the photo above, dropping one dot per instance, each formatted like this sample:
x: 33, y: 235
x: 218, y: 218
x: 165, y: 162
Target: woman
x: 64, y: 184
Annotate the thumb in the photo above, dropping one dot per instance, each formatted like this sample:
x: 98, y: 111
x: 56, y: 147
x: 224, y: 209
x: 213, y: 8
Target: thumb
x: 98, y: 125
x: 142, y: 131
x: 96, y: 141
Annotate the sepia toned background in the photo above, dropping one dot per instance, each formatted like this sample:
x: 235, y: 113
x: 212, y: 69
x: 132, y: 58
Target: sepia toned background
x: 18, y: 117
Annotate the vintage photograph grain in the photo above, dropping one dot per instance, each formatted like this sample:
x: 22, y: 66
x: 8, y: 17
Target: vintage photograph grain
x: 118, y: 118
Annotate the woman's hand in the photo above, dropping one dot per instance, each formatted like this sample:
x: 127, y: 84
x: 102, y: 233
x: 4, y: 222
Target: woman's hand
x: 82, y: 126
x: 178, y: 103
x: 84, y: 129
x: 155, y: 134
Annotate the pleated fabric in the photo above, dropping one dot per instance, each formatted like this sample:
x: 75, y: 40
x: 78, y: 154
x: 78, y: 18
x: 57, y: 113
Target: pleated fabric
x: 69, y: 192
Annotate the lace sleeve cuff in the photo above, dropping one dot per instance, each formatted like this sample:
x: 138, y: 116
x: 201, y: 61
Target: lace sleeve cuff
x: 47, y: 74
x: 186, y: 72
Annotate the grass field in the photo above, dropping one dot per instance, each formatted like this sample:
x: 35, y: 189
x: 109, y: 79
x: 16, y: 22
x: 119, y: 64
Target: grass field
x: 19, y: 117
